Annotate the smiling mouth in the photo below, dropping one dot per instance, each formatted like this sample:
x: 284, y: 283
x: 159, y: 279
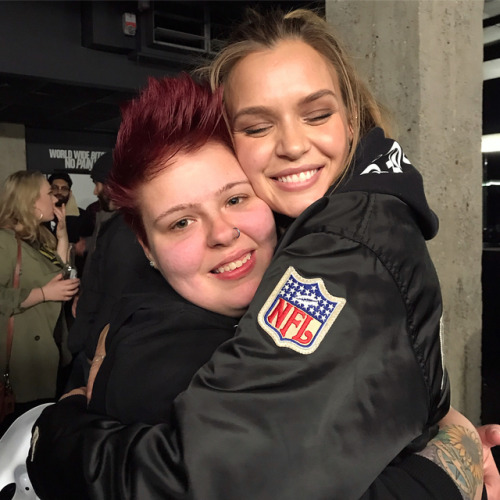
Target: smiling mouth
x: 231, y: 266
x: 294, y: 178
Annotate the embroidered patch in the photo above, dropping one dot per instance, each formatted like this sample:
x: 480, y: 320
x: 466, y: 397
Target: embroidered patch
x: 299, y: 312
x: 392, y: 161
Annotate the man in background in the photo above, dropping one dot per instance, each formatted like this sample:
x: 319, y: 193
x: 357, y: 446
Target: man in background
x: 115, y: 265
x: 61, y: 184
x: 99, y: 175
x: 76, y: 222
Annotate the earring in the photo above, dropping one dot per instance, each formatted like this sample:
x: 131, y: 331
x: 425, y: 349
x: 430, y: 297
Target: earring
x: 238, y: 232
x: 41, y: 214
x: 152, y: 264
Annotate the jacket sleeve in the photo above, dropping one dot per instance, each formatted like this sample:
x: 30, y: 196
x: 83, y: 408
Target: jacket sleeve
x: 101, y: 439
x: 297, y: 405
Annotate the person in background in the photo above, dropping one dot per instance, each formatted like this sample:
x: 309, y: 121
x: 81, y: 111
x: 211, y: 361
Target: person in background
x: 61, y: 184
x: 175, y: 199
x: 78, y: 220
x: 99, y: 175
x: 115, y: 264
x: 26, y: 203
x: 91, y: 210
x: 95, y: 219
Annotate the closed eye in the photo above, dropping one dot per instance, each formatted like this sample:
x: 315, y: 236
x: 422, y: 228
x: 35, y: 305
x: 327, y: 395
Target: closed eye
x: 319, y: 118
x: 256, y: 131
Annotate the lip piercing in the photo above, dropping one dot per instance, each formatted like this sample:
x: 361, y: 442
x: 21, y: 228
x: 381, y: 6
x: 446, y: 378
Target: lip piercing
x: 238, y: 233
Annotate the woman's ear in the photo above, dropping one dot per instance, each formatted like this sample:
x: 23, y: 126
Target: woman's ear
x: 147, y: 252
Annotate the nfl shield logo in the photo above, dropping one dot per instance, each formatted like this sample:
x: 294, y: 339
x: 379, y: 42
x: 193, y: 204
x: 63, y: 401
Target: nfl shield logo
x: 299, y: 312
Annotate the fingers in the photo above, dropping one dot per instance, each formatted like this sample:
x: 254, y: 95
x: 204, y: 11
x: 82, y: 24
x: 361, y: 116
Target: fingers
x: 57, y: 277
x: 100, y: 354
x: 72, y: 283
x: 60, y: 213
x: 81, y: 391
x: 60, y: 289
x: 489, y: 434
x: 69, y: 288
x: 101, y: 344
x: 94, y: 370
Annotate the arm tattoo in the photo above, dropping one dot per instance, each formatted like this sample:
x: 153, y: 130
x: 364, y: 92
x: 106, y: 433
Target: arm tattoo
x: 458, y: 451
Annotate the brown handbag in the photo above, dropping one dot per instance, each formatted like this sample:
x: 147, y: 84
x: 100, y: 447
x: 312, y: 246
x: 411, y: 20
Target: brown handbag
x: 7, y: 398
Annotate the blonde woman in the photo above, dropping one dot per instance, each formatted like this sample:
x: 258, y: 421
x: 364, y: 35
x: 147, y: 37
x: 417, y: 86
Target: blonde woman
x: 26, y: 202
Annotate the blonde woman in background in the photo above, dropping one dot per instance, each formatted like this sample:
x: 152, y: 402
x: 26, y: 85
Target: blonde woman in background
x: 25, y: 204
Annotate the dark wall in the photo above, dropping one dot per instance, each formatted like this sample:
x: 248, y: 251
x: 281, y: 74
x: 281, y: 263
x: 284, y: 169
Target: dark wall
x: 44, y: 40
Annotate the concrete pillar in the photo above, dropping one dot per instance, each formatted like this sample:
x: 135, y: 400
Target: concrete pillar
x: 423, y: 59
x: 12, y: 149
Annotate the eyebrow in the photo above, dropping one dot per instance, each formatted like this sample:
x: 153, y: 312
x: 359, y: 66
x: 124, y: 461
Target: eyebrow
x: 256, y: 110
x: 186, y: 206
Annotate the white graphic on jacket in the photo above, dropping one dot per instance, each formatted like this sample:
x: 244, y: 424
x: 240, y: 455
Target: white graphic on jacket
x: 393, y: 164
x: 299, y: 312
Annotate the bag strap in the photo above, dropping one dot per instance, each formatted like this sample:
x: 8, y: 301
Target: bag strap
x: 10, y: 323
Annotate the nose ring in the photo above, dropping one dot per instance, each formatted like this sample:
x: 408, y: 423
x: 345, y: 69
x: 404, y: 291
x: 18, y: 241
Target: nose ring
x: 237, y: 232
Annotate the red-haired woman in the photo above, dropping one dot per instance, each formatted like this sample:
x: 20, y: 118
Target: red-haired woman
x: 180, y: 187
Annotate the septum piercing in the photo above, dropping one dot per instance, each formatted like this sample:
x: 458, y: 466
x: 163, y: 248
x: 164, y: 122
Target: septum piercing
x: 238, y: 232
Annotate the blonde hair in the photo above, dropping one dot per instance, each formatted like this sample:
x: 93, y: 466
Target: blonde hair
x: 17, y: 202
x: 265, y: 30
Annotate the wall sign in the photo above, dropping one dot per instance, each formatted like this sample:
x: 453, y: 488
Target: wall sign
x: 73, y: 152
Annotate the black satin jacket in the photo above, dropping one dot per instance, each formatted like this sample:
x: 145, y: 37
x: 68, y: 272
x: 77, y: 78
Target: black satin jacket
x: 156, y: 342
x: 335, y: 370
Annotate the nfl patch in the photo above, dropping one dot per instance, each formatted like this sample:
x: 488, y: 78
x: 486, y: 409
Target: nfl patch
x: 299, y: 312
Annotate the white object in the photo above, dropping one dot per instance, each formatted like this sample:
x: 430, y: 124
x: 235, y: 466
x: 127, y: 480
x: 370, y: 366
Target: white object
x: 490, y: 143
x: 129, y: 24
x: 14, y: 449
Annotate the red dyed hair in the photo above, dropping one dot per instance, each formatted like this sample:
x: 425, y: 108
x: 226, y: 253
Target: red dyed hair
x: 170, y: 116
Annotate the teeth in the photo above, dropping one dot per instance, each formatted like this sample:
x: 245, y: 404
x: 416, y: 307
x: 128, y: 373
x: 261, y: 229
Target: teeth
x: 303, y: 176
x: 233, y: 265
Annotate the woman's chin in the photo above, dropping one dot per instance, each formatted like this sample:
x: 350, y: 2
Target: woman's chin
x: 237, y: 309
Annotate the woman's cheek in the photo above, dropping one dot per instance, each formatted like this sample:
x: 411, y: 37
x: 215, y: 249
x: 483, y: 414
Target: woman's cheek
x: 171, y: 258
x: 261, y: 225
x: 248, y: 157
